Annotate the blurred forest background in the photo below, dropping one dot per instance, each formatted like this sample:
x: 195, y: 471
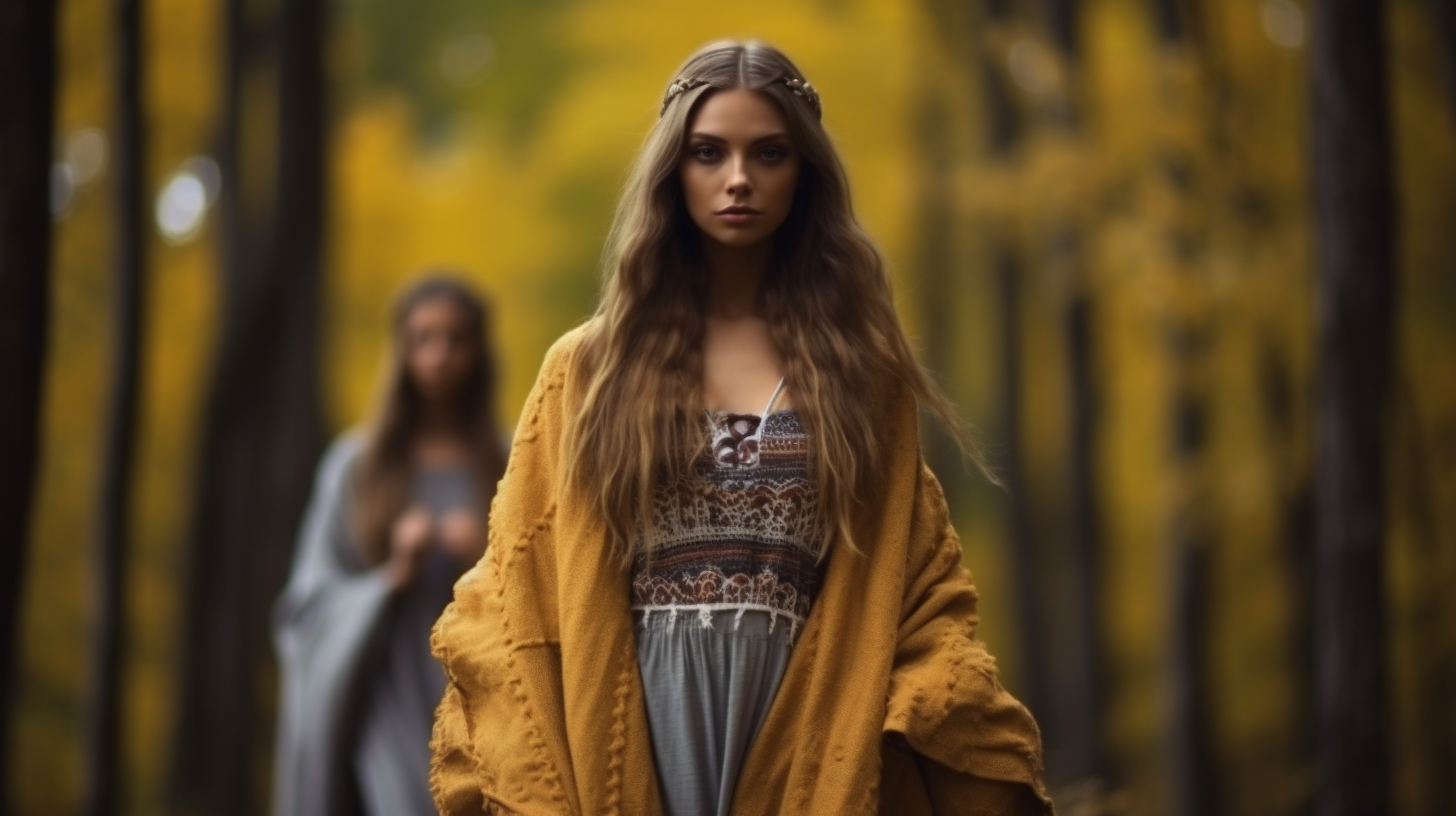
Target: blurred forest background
x: 1102, y: 221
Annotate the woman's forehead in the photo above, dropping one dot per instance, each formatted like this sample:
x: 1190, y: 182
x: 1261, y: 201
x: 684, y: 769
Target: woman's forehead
x: 435, y: 309
x: 737, y: 114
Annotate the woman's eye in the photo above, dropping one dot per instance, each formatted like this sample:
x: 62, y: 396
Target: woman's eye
x: 772, y: 153
x: 705, y: 152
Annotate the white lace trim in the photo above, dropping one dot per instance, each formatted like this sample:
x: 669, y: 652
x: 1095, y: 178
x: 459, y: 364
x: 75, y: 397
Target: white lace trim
x: 704, y: 614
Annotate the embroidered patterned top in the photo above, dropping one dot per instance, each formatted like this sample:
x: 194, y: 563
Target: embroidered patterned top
x: 738, y: 532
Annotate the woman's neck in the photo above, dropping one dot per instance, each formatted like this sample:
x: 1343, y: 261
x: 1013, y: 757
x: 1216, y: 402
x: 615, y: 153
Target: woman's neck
x: 439, y: 437
x: 439, y: 420
x: 735, y: 277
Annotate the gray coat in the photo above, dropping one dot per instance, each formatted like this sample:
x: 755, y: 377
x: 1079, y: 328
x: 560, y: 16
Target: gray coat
x: 358, y: 686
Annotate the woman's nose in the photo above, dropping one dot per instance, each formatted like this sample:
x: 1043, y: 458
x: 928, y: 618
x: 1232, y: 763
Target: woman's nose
x: 436, y: 352
x: 738, y: 179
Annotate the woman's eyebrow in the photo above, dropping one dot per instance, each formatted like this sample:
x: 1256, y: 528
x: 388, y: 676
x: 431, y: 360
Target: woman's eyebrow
x: 708, y: 137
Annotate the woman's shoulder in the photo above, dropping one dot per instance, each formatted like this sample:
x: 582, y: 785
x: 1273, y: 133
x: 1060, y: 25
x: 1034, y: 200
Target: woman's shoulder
x: 340, y: 456
x: 576, y: 338
x: 567, y: 351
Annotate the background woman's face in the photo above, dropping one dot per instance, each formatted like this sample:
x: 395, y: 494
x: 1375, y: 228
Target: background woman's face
x: 439, y: 350
x: 739, y: 169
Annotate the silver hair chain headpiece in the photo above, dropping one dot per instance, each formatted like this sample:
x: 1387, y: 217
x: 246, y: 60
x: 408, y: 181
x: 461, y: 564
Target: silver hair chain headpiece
x: 801, y: 89
x: 805, y: 91
x: 678, y: 87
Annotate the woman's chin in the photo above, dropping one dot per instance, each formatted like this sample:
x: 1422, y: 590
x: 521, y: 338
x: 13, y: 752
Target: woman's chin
x: 435, y: 393
x: 738, y: 239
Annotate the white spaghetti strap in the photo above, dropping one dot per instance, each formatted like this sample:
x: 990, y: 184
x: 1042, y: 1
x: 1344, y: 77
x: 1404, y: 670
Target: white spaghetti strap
x: 774, y: 398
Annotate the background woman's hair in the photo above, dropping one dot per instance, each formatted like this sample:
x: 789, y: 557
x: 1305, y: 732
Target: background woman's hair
x: 826, y: 300
x: 383, y: 480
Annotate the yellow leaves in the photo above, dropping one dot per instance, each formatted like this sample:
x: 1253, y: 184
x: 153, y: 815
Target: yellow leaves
x: 484, y: 214
x: 1185, y: 182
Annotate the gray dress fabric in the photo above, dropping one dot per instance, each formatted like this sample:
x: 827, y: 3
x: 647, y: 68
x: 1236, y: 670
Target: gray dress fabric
x: 358, y: 683
x: 719, y: 604
x: 707, y: 689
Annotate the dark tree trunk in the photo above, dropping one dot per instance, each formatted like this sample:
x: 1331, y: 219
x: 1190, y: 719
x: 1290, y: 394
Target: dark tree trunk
x: 1413, y: 498
x: 1173, y: 21
x: 1081, y: 696
x: 1355, y: 262
x: 234, y: 227
x: 27, y: 124
x: 1443, y: 15
x: 1196, y: 791
x: 1064, y: 26
x: 1296, y: 524
x: 103, y: 794
x: 966, y: 31
x: 1028, y: 568
x: 217, y: 582
x: 1063, y: 23
x: 1084, y: 698
x: 262, y: 433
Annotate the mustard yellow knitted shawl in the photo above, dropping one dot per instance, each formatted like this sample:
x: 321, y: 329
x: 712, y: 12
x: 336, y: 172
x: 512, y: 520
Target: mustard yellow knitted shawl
x: 889, y: 703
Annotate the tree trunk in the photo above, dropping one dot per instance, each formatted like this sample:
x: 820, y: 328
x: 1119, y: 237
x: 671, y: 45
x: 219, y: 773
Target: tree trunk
x: 262, y: 436
x: 1084, y: 698
x: 1063, y: 24
x: 1196, y: 791
x: 1029, y: 569
x: 967, y: 32
x: 1296, y: 525
x: 215, y: 584
x: 1443, y: 16
x: 27, y: 91
x: 1413, y: 498
x: 1355, y: 262
x: 1081, y: 696
x: 103, y: 793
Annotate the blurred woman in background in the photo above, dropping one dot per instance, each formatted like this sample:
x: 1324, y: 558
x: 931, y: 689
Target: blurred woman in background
x: 721, y: 579
x: 397, y: 514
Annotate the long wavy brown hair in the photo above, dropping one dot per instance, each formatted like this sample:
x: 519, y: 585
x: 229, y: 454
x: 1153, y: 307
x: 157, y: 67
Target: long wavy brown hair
x: 383, y: 478
x: 826, y: 299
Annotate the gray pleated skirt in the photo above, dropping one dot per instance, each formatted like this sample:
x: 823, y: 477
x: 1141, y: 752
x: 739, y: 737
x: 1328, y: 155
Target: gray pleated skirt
x: 709, y: 676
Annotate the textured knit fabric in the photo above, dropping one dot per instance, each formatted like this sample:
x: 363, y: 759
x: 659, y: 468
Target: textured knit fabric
x: 888, y: 705
x: 358, y: 684
x: 720, y: 599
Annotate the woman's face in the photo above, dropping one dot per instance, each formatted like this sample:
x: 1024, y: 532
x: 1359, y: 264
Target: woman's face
x: 438, y: 349
x: 740, y: 168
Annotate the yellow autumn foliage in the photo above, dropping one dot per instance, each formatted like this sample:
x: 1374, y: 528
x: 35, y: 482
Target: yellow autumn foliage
x: 520, y: 206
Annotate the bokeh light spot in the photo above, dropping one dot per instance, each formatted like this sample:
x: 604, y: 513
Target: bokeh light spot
x: 1031, y: 67
x: 63, y: 188
x: 206, y: 170
x: 180, y: 207
x: 467, y: 59
x: 85, y: 152
x: 1283, y: 23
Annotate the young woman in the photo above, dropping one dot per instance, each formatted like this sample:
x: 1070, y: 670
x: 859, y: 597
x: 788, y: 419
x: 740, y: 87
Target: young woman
x: 721, y: 579
x: 396, y: 516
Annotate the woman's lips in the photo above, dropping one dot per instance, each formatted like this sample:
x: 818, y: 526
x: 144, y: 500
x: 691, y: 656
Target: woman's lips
x: 737, y: 214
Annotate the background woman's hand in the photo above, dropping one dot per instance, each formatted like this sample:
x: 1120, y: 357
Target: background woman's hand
x: 408, y: 541
x: 461, y: 535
